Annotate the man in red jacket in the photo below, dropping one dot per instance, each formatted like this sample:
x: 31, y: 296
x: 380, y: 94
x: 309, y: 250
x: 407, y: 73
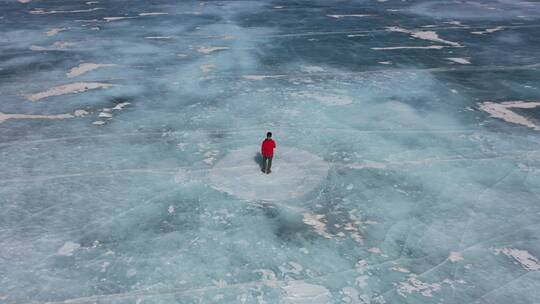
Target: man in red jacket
x: 267, y: 151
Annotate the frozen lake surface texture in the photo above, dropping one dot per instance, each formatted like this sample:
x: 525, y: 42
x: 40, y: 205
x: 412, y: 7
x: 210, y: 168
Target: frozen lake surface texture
x: 407, y: 167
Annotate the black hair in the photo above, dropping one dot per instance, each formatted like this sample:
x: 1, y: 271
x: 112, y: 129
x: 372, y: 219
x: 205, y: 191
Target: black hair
x: 269, y: 134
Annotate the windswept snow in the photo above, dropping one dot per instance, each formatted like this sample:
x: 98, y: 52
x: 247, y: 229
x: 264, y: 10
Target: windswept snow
x: 504, y: 111
x: 85, y: 68
x: 71, y: 88
x: 211, y: 49
x: 425, y: 35
x: 523, y: 257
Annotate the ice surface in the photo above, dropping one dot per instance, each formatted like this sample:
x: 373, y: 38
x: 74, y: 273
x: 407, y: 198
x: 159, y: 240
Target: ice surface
x: 294, y: 173
x: 407, y: 167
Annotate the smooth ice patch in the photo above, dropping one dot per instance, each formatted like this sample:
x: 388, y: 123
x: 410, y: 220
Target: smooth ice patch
x: 301, y: 292
x: 295, y: 172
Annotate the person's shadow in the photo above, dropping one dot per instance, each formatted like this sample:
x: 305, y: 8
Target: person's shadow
x: 258, y: 160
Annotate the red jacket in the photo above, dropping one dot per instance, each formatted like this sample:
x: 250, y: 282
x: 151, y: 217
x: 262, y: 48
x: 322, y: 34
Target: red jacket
x: 267, y: 148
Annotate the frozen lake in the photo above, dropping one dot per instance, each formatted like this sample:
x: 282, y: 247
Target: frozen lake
x: 407, y: 167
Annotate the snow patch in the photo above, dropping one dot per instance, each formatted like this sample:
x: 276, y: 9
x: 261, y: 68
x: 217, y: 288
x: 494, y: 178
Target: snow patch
x: 523, y: 257
x: 459, y: 60
x: 317, y: 222
x: 85, y: 68
x: 80, y: 113
x: 350, y: 15
x: 400, y: 269
x: 158, y: 37
x: 40, y: 11
x: 431, y: 47
x: 71, y: 88
x: 504, y: 111
x: 4, y: 117
x: 425, y: 35
x: 211, y: 49
x: 490, y: 30
x: 121, y: 106
x: 109, y: 19
x: 152, y: 14
x: 413, y: 284
x: 105, y: 115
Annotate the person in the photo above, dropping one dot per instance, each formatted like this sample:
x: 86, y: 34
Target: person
x: 267, y: 151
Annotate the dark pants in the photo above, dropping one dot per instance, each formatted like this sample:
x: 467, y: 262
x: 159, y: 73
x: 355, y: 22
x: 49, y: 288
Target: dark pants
x: 267, y: 164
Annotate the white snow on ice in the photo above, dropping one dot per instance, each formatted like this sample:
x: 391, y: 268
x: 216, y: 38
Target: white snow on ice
x: 211, y: 49
x: 4, y: 117
x: 523, y: 257
x: 504, y: 111
x: 85, y: 68
x: 71, y: 88
x: 317, y: 222
x: 350, y: 15
x: 459, y: 60
x: 263, y: 77
x: 425, y: 35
